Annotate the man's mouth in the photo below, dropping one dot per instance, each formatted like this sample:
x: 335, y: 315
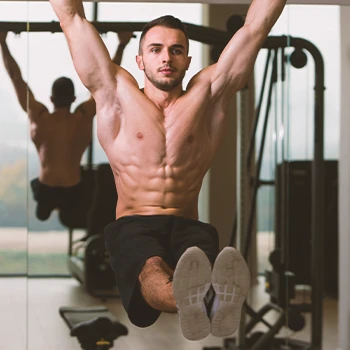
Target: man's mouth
x: 167, y: 70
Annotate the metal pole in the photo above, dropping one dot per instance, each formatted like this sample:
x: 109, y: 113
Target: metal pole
x: 91, y: 145
x: 252, y: 210
x: 241, y: 193
x: 318, y: 208
x: 257, y: 113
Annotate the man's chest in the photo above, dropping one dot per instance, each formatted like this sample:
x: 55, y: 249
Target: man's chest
x: 157, y: 144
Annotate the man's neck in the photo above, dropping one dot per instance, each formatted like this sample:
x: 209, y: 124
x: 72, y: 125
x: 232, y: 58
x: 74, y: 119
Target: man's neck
x: 62, y: 110
x: 162, y: 99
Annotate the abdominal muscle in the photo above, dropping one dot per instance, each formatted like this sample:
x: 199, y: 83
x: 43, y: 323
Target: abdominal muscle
x: 156, y: 180
x: 142, y: 194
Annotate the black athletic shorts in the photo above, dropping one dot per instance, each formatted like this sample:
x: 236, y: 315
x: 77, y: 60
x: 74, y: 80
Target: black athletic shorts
x: 67, y: 199
x: 131, y: 240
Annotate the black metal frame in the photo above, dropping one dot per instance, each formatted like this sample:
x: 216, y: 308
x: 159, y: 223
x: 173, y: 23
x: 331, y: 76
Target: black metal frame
x: 220, y: 38
x: 274, y: 44
x: 202, y: 34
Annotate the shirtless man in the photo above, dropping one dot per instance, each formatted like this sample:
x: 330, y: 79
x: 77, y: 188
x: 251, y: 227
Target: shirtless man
x: 160, y: 143
x: 60, y: 137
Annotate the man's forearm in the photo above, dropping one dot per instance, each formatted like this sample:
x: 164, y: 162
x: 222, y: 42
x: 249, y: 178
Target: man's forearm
x: 263, y: 14
x: 10, y: 64
x: 117, y: 59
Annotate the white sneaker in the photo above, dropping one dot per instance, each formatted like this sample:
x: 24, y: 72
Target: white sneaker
x: 231, y: 281
x: 191, y: 281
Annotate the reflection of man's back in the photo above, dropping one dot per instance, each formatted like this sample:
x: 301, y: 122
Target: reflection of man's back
x: 60, y: 138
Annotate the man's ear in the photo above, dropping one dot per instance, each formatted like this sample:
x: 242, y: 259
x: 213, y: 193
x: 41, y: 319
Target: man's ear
x: 189, y: 59
x: 140, y: 62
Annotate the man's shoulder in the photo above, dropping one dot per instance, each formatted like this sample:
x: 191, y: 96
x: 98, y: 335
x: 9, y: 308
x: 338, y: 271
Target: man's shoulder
x: 37, y: 117
x: 202, y: 78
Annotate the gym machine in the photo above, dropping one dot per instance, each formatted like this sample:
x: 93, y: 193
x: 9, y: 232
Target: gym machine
x: 96, y: 328
x: 280, y: 282
x: 88, y: 260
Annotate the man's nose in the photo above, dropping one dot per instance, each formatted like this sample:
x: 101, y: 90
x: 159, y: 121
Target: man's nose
x: 166, y: 56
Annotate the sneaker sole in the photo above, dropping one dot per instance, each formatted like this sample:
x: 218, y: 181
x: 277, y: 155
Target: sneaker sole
x: 191, y: 282
x: 231, y: 282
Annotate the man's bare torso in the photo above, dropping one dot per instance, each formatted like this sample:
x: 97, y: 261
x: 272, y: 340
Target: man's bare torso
x: 159, y: 158
x: 61, y: 139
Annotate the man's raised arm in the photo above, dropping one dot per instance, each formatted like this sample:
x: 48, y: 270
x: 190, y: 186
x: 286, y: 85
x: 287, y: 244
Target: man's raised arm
x: 25, y: 96
x: 124, y: 38
x: 90, y: 56
x: 88, y: 108
x: 236, y: 62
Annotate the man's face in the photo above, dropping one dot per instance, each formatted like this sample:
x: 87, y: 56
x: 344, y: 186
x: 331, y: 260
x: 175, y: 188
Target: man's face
x: 164, y: 57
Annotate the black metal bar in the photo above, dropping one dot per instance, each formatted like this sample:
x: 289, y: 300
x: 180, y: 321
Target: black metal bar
x: 91, y: 145
x: 258, y: 317
x: 257, y: 113
x: 248, y: 234
x: 95, y: 12
x: 318, y: 201
x: 264, y: 341
x: 283, y: 60
x: 70, y: 241
x: 266, y: 182
x: 203, y: 34
x: 233, y: 231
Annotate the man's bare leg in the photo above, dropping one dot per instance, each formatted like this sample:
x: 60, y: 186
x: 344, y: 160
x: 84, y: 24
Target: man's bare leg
x: 192, y: 279
x: 155, y: 286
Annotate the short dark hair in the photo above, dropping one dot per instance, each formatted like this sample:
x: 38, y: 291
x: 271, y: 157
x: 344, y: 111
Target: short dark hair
x: 167, y: 21
x: 62, y: 92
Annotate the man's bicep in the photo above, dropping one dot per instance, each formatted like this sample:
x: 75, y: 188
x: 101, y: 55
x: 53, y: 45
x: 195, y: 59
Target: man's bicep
x: 21, y: 89
x: 90, y: 55
x: 236, y: 62
x: 36, y: 110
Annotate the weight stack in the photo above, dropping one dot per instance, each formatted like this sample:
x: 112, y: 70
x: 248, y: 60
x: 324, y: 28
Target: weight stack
x: 293, y: 221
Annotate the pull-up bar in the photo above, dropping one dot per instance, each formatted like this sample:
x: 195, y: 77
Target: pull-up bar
x: 203, y: 34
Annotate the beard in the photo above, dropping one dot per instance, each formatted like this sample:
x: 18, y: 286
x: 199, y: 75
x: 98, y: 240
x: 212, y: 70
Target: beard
x: 165, y: 84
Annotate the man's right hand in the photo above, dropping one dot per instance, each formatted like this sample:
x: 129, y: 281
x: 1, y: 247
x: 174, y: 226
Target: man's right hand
x: 3, y: 36
x: 124, y: 37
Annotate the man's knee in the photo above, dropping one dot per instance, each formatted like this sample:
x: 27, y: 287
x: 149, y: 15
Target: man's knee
x: 151, y: 264
x: 154, y: 264
x: 154, y: 261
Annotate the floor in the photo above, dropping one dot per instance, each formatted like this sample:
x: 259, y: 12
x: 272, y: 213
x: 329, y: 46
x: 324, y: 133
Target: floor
x: 29, y: 319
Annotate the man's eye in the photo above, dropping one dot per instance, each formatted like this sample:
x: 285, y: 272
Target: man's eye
x: 177, y: 52
x: 155, y: 49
